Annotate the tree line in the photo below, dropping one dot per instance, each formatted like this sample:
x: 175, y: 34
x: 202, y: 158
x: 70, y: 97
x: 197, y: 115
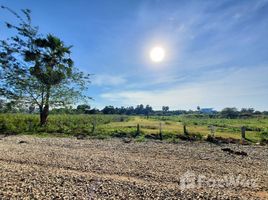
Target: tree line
x: 229, y: 112
x: 145, y: 110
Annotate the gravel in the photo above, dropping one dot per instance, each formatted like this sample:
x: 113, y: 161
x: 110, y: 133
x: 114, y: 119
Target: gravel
x: 67, y: 168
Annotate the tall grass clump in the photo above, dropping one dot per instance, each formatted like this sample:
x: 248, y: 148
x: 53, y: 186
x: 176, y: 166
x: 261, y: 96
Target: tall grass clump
x: 64, y: 123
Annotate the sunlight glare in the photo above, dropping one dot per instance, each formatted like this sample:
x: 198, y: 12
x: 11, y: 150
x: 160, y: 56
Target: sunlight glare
x: 157, y: 54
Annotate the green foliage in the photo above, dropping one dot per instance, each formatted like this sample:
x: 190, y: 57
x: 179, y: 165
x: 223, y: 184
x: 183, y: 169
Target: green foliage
x: 106, y: 126
x: 62, y: 124
x: 37, y: 70
x: 141, y: 138
x: 265, y: 132
x: 231, y: 113
x: 83, y: 109
x: 173, y: 139
x: 264, y: 141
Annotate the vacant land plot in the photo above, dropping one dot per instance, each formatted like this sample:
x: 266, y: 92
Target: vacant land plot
x: 105, y: 126
x: 66, y: 168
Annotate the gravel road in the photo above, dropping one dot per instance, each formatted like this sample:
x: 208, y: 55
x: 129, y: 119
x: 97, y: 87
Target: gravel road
x: 67, y: 168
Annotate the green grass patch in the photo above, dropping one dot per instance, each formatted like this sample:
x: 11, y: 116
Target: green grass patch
x: 105, y: 126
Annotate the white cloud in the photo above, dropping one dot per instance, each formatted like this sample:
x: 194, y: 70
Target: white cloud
x: 108, y: 80
x: 240, y: 88
x: 173, y: 97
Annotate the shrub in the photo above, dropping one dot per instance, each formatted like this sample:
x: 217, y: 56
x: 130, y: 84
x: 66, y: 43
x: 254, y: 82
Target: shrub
x: 173, y: 140
x: 191, y: 137
x: 265, y: 132
x: 264, y: 141
x: 141, y: 138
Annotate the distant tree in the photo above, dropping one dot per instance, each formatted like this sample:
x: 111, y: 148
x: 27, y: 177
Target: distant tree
x: 179, y: 112
x: 246, y: 112
x: 63, y: 110
x: 10, y: 106
x: 122, y: 110
x: 148, y: 110
x: 2, y: 105
x: 231, y: 113
x: 257, y: 112
x: 108, y: 110
x: 198, y: 108
x: 265, y: 112
x: 83, y: 109
x: 165, y: 109
x: 130, y: 110
x: 93, y: 111
x: 31, y: 109
x: 139, y: 110
x: 38, y: 70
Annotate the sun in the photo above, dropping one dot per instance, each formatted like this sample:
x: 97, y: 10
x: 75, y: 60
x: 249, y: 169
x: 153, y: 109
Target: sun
x: 157, y: 54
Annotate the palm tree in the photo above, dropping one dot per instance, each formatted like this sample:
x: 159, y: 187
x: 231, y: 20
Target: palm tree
x: 52, y: 65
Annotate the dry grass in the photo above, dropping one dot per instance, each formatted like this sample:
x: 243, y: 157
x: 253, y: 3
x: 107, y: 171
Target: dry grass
x: 152, y: 126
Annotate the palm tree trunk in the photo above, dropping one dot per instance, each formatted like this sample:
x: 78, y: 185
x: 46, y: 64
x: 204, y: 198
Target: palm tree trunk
x: 43, y: 115
x: 45, y: 111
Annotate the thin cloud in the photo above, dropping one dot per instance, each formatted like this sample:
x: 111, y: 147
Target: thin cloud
x: 240, y: 88
x: 108, y: 80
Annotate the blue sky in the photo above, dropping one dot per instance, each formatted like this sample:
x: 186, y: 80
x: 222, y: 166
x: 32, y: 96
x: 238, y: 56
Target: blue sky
x: 216, y: 51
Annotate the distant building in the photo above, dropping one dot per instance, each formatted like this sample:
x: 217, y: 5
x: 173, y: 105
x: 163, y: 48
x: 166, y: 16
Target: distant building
x: 207, y: 111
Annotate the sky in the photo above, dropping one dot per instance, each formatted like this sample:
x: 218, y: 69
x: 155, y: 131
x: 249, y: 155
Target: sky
x: 216, y: 51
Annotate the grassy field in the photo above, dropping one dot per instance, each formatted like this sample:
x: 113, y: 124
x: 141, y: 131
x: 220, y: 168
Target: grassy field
x: 256, y: 128
x: 103, y: 126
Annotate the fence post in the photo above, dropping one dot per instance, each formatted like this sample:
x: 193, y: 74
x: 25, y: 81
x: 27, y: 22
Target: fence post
x: 138, y: 130
x: 243, y: 132
x: 185, y: 130
x: 160, y: 131
x: 212, y: 130
x: 93, y: 126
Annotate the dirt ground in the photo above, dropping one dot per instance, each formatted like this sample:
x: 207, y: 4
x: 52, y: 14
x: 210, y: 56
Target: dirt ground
x: 67, y: 168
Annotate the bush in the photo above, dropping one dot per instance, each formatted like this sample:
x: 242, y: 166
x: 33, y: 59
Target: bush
x: 141, y: 138
x: 265, y: 132
x: 173, y: 140
x: 264, y: 141
x: 191, y: 137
